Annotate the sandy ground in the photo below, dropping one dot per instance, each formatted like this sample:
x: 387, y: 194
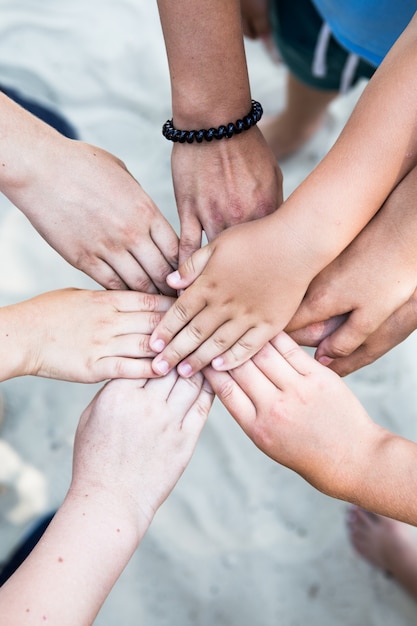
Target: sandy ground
x: 241, y: 540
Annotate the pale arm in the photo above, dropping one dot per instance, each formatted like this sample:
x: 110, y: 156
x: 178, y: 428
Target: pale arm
x: 132, y: 445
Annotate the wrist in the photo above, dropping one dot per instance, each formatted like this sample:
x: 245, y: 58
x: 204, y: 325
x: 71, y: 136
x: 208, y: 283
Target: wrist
x: 14, y: 348
x: 113, y: 503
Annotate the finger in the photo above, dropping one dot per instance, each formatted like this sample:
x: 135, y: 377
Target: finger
x: 235, y: 398
x: 133, y: 301
x: 131, y: 271
x: 313, y: 334
x: 184, y: 310
x: 188, y: 271
x: 121, y: 367
x: 103, y: 274
x: 295, y: 356
x: 240, y: 350
x: 154, y: 266
x: 395, y: 330
x: 136, y: 323
x: 162, y: 386
x: 132, y: 346
x: 220, y: 338
x: 315, y: 308
x: 185, y: 392
x: 190, y: 238
x: 347, y: 338
x: 166, y: 240
x: 184, y: 397
x: 196, y: 417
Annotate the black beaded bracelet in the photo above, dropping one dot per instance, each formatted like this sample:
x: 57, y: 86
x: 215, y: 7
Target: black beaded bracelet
x: 228, y: 130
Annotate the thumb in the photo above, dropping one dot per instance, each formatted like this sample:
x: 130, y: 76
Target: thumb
x: 191, y: 269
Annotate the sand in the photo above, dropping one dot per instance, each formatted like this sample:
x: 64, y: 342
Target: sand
x: 241, y: 540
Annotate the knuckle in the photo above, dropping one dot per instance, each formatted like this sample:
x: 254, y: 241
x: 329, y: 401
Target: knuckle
x: 148, y: 302
x: 225, y: 390
x: 143, y: 346
x: 143, y: 284
x: 195, y: 333
x: 154, y: 320
x: 114, y: 282
x: 341, y: 349
x: 180, y: 311
x: 220, y: 341
x: 245, y: 344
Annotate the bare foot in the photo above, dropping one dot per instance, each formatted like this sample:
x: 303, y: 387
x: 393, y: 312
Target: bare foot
x: 303, y: 115
x: 385, y: 543
x: 284, y: 137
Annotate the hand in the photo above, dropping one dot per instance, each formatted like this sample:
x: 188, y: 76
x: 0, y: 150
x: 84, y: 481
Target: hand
x: 136, y: 438
x: 302, y: 415
x: 221, y: 184
x: 80, y: 336
x: 132, y: 444
x: 371, y: 280
x: 247, y: 284
x: 89, y: 208
x: 255, y: 18
x: 392, y: 332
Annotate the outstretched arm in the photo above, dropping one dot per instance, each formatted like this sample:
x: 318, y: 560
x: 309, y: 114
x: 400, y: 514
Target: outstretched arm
x: 85, y: 204
x: 132, y: 445
x: 226, y: 181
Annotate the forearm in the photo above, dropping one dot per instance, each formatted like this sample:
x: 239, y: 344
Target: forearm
x: 388, y: 478
x: 24, y: 141
x: 376, y: 149
x: 209, y: 78
x: 70, y: 572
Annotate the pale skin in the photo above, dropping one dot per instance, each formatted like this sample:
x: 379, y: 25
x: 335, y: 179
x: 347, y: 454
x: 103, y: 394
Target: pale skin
x: 302, y: 415
x: 132, y: 444
x: 85, y: 204
x: 226, y: 316
x: 386, y: 544
x: 103, y: 335
x: 210, y: 87
x: 370, y: 281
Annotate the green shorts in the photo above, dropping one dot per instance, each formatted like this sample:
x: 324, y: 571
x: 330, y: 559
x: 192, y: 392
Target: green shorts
x: 309, y: 50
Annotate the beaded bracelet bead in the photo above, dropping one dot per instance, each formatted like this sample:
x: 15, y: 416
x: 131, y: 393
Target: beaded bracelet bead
x: 227, y: 131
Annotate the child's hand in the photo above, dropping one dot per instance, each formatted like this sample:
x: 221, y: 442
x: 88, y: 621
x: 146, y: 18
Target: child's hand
x: 136, y: 438
x: 302, y: 415
x: 248, y: 283
x: 80, y: 336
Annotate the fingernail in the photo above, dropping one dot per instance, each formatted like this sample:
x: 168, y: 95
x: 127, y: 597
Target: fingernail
x: 184, y: 369
x: 174, y: 278
x: 162, y: 367
x: 158, y: 345
x: 325, y: 360
x: 217, y: 362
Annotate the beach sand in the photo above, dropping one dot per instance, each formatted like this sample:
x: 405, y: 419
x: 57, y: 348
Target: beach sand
x: 241, y: 540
